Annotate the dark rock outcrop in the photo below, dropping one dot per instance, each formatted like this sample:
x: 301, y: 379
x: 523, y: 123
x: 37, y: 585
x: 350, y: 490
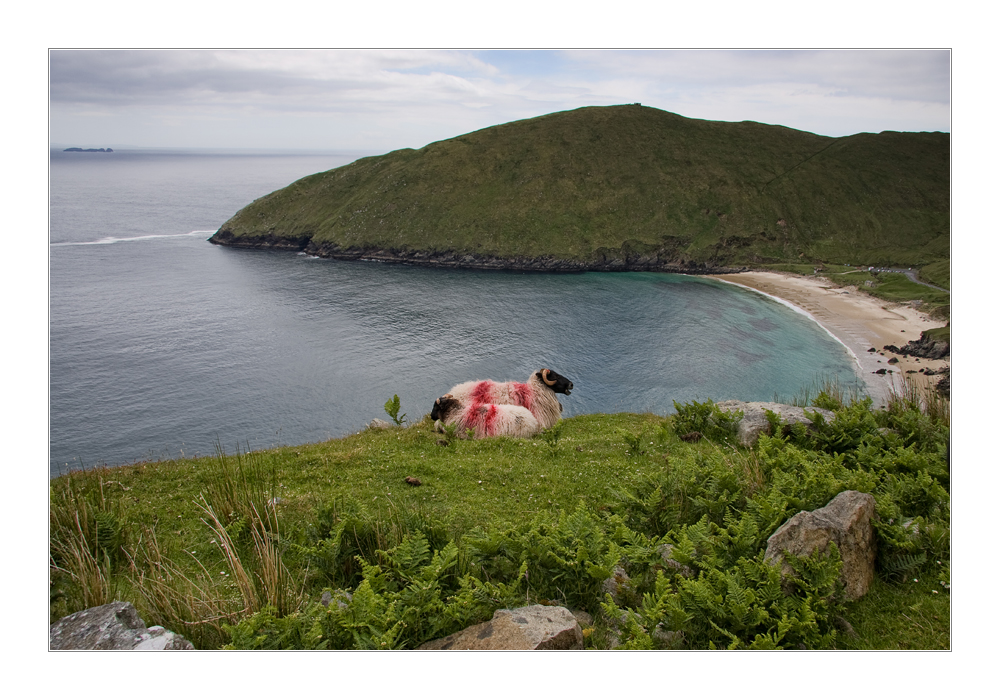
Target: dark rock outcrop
x: 116, y: 625
x: 944, y: 386
x: 604, y: 260
x: 925, y: 347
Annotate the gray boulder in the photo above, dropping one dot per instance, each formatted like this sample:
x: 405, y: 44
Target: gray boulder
x: 618, y: 585
x: 754, y: 420
x: 672, y: 565
x: 531, y: 627
x: 116, y: 625
x: 846, y: 520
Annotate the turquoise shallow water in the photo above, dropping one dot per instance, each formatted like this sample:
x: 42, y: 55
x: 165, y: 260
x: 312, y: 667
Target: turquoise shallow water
x: 162, y: 344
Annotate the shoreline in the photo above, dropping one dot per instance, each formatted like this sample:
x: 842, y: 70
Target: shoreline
x: 856, y: 320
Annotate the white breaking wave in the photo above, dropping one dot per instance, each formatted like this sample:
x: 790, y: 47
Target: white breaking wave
x: 111, y: 239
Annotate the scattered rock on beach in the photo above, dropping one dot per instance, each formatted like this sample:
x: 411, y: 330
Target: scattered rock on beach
x: 925, y: 347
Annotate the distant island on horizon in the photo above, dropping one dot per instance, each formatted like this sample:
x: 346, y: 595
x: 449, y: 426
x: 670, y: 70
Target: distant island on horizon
x: 88, y: 150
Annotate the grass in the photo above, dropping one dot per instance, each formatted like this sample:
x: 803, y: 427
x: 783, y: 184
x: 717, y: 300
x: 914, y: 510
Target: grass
x: 226, y: 549
x: 894, y: 287
x: 597, y: 184
x: 937, y: 273
x: 912, y: 614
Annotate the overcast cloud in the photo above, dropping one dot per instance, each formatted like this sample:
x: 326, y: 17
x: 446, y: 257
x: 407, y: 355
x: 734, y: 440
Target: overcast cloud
x: 379, y: 100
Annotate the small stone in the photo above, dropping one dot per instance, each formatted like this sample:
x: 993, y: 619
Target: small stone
x: 412, y: 481
x: 672, y: 565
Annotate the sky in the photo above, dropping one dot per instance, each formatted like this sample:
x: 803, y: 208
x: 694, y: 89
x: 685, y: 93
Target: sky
x: 379, y: 100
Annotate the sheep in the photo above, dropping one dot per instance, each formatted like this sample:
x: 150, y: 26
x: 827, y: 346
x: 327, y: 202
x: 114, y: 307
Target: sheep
x: 485, y: 419
x: 537, y: 395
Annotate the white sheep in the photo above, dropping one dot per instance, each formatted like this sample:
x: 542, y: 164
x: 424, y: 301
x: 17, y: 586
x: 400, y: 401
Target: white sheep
x: 486, y: 420
x: 537, y: 396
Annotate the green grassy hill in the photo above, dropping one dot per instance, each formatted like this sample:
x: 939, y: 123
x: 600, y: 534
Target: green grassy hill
x: 624, y: 187
x: 238, y: 550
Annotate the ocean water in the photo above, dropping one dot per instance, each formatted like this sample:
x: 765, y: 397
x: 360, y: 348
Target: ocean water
x: 164, y: 345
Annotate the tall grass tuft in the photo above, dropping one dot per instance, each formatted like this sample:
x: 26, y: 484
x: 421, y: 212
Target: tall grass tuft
x: 828, y: 393
x: 91, y: 573
x: 87, y: 534
x: 194, y: 607
x: 257, y: 568
x: 241, y: 486
x: 908, y: 394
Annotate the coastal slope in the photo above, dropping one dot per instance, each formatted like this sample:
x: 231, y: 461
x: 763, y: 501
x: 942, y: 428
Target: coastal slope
x: 621, y: 188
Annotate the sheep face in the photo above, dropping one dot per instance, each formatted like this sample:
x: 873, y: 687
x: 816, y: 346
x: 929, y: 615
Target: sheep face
x: 555, y: 381
x: 444, y: 407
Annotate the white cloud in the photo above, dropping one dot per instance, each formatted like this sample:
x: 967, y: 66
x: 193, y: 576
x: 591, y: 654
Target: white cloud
x: 390, y: 99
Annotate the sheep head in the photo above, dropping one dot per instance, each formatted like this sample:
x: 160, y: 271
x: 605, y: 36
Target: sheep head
x: 555, y: 381
x: 443, y: 406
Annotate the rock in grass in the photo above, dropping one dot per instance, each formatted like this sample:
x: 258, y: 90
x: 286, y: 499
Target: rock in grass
x: 619, y: 586
x: 412, y: 481
x: 116, y: 625
x: 532, y: 627
x: 754, y: 421
x: 671, y: 565
x: 846, y: 520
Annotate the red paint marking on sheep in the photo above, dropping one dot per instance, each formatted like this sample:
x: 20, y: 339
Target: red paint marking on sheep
x: 470, y: 417
x: 482, y: 393
x: 523, y: 394
x: 490, y: 420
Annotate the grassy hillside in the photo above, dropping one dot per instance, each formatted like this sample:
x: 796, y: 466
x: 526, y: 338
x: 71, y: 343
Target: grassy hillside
x: 625, y: 186
x: 238, y: 550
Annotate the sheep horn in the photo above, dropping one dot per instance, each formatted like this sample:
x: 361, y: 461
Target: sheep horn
x: 545, y: 378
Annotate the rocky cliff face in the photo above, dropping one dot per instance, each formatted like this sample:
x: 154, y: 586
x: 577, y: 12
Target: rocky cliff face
x: 608, y: 261
x: 925, y: 347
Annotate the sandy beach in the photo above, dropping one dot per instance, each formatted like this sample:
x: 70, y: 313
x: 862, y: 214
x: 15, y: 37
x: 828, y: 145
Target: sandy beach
x: 857, y: 320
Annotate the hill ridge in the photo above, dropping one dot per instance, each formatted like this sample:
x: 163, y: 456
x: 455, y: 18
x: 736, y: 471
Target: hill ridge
x: 622, y: 187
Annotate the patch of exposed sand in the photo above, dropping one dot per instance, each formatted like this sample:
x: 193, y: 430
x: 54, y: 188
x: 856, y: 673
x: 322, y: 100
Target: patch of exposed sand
x: 857, y: 320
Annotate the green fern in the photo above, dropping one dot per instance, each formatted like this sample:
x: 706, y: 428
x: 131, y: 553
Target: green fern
x: 392, y: 408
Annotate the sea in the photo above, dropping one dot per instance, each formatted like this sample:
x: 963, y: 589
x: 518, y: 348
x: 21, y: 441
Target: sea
x: 162, y: 345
